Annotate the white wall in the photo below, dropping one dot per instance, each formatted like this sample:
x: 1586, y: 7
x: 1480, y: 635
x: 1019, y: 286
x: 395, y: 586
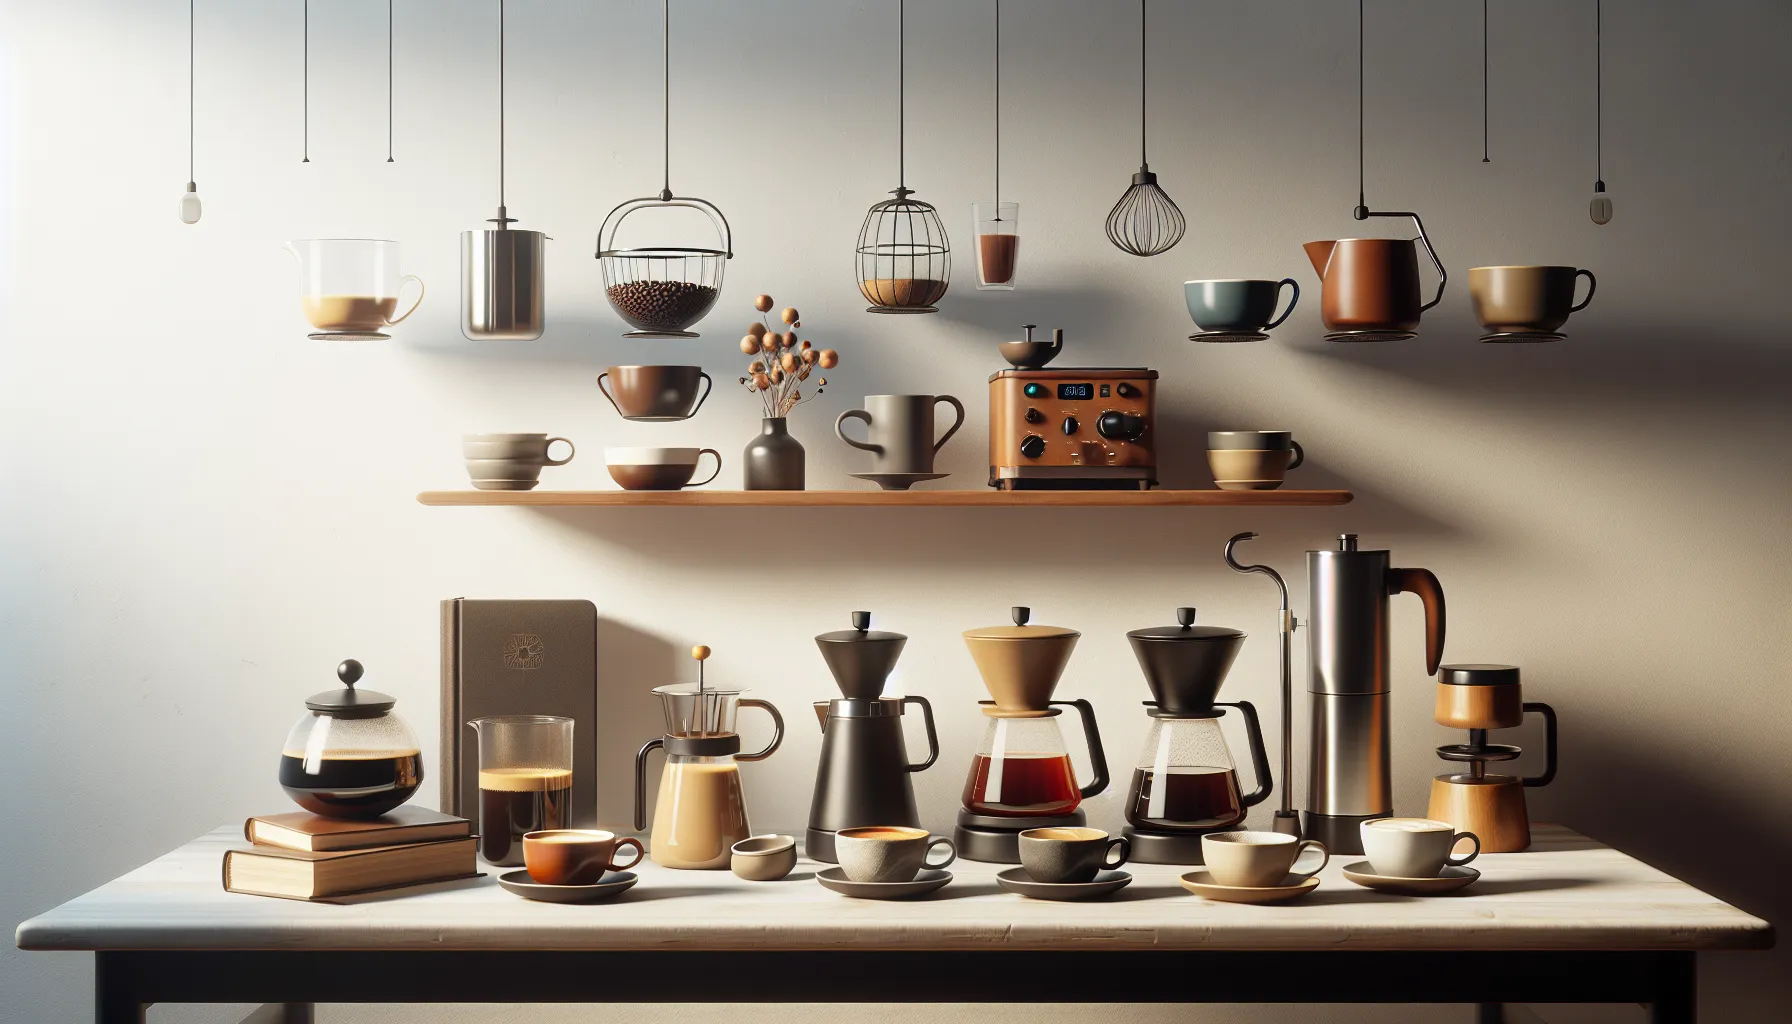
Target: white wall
x: 203, y: 512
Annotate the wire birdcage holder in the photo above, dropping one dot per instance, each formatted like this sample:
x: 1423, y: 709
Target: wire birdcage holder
x: 905, y: 261
x: 662, y: 290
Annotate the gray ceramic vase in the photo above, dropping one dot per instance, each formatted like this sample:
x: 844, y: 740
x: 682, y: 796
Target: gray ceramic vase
x: 774, y: 459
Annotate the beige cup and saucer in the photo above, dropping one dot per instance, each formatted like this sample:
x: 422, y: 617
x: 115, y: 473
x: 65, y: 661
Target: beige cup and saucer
x: 1526, y: 304
x: 1254, y: 867
x: 509, y: 462
x: 1413, y: 857
x: 887, y: 862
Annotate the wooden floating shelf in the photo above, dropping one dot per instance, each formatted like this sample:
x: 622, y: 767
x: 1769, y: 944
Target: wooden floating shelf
x: 893, y: 499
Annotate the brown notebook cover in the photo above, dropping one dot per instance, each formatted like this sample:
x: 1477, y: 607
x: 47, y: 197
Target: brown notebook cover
x: 517, y: 658
x: 310, y: 875
x: 301, y: 830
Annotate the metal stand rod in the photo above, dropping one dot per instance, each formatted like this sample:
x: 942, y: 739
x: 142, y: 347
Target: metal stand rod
x: 1286, y: 820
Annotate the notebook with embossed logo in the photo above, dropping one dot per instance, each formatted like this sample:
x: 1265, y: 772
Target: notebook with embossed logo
x: 517, y: 658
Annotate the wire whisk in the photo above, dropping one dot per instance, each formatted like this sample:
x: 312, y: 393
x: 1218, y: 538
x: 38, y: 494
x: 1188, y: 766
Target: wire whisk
x: 1146, y: 221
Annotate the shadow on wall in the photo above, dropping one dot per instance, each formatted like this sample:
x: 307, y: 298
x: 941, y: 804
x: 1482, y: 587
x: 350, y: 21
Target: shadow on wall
x: 630, y: 663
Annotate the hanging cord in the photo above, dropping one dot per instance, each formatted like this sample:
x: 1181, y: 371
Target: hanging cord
x: 1143, y: 163
x: 666, y: 104
x: 1484, y: 81
x: 190, y: 80
x: 901, y: 96
x: 1362, y: 205
x: 388, y: 81
x: 998, y: 111
x: 1598, y: 95
x: 503, y: 217
x: 306, y: 156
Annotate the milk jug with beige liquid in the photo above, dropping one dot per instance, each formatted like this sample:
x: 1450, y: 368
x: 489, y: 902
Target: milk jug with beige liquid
x: 701, y: 810
x: 349, y: 287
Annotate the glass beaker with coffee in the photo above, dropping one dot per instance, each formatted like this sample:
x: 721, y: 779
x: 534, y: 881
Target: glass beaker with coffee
x: 998, y: 244
x: 525, y: 781
x: 351, y: 755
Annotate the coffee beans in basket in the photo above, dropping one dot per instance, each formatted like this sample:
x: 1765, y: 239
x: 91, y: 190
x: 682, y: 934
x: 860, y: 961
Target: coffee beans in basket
x: 662, y: 305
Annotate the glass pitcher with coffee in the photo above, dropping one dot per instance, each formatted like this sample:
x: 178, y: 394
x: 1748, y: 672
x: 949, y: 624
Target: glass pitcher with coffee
x: 1184, y: 784
x: 702, y: 809
x: 525, y: 781
x: 351, y: 756
x: 349, y: 287
x: 1021, y: 776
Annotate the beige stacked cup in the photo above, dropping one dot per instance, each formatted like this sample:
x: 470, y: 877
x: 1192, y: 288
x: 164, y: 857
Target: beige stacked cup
x: 1252, y: 460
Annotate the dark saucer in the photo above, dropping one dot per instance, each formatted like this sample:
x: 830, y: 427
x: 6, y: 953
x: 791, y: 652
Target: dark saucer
x: 1523, y: 337
x: 614, y: 883
x: 1224, y: 337
x: 1017, y: 880
x: 1370, y: 335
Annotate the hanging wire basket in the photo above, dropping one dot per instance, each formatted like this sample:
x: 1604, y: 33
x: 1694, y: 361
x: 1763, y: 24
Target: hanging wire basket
x: 662, y: 290
x: 905, y: 262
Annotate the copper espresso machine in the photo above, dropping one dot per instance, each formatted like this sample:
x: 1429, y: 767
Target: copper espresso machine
x: 1090, y: 428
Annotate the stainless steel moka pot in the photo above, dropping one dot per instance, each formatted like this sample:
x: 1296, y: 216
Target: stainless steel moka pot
x: 1347, y: 685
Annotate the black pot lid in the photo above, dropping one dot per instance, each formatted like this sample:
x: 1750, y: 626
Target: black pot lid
x: 349, y: 702
x: 1187, y: 631
x: 860, y: 633
x: 1478, y: 675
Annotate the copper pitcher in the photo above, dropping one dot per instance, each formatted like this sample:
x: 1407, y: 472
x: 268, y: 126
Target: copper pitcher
x: 1372, y: 284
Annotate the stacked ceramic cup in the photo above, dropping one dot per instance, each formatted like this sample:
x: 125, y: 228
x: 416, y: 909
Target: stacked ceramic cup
x: 656, y: 394
x: 1252, y: 460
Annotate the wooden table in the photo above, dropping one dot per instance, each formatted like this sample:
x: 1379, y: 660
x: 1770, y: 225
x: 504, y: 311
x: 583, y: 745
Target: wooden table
x: 1570, y: 920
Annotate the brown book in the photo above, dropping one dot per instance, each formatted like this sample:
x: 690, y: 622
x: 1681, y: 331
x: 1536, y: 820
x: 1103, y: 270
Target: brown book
x: 517, y: 658
x: 310, y: 875
x: 301, y: 830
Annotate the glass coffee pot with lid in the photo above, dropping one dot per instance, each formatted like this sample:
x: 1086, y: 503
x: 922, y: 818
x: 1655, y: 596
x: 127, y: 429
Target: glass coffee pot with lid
x: 1021, y: 776
x: 1184, y: 782
x: 702, y: 809
x: 351, y: 755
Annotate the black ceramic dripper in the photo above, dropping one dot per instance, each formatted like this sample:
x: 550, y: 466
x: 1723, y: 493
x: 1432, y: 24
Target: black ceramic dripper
x: 861, y: 658
x: 1185, y: 664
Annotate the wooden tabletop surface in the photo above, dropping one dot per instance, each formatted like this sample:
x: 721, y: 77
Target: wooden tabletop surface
x: 1566, y: 892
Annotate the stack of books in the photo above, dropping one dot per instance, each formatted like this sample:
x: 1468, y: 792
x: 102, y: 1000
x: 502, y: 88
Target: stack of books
x: 301, y: 856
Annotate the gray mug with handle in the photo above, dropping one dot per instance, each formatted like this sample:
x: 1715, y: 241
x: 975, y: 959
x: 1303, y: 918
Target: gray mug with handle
x: 900, y: 431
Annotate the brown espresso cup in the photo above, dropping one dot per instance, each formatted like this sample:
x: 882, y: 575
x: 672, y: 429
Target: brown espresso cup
x: 655, y: 394
x: 575, y: 856
x: 1526, y: 300
x: 658, y: 469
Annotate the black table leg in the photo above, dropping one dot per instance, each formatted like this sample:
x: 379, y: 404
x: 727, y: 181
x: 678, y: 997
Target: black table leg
x: 1678, y: 1000
x: 113, y: 1000
x: 1490, y: 1013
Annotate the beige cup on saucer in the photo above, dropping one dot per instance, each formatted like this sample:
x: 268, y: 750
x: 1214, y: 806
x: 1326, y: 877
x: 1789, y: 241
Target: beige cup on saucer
x: 888, y: 853
x: 509, y: 462
x: 1414, y: 847
x: 1258, y: 860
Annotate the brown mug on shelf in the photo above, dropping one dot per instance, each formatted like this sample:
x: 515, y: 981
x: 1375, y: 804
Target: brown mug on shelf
x: 1526, y: 300
x: 575, y: 856
x: 655, y: 394
x: 658, y: 469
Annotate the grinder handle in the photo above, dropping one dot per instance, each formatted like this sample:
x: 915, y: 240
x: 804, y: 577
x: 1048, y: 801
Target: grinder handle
x: 933, y: 739
x: 1549, y: 743
x: 1259, y: 756
x: 1424, y: 584
x: 641, y: 781
x: 1098, y: 759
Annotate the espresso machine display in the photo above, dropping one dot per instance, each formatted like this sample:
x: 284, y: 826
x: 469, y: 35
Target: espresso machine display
x: 351, y: 756
x: 1072, y: 429
x: 863, y: 778
x: 1021, y: 776
x: 701, y: 810
x: 1184, y: 785
x: 1347, y: 685
x: 1479, y: 698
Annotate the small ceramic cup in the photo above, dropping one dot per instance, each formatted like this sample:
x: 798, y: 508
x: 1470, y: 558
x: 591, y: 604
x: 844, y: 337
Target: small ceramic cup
x: 1258, y: 860
x: 1238, y: 306
x: 888, y: 853
x: 655, y: 394
x: 1414, y: 847
x: 1517, y: 300
x: 1070, y: 855
x: 658, y: 469
x: 575, y: 856
x: 1240, y: 470
x: 509, y: 462
x: 763, y: 858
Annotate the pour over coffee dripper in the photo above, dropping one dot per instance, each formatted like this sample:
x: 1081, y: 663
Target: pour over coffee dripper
x: 1021, y: 776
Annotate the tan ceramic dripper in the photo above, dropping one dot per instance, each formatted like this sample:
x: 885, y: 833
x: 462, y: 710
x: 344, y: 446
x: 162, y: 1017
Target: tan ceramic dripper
x: 1021, y: 664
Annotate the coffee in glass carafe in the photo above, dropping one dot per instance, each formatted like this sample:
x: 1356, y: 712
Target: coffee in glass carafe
x: 351, y: 756
x: 525, y: 781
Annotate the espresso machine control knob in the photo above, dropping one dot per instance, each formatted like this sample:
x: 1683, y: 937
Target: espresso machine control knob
x: 1120, y: 426
x: 1035, y: 416
x: 1126, y: 390
x: 1070, y: 424
x: 1032, y: 446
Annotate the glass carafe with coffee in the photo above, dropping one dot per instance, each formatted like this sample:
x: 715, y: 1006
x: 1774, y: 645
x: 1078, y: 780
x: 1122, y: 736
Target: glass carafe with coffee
x: 1184, y: 783
x: 525, y: 781
x: 702, y: 809
x: 1022, y: 777
x: 351, y: 756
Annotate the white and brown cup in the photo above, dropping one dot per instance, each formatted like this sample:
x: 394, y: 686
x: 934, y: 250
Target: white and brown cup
x: 1414, y: 847
x: 888, y: 853
x: 658, y: 469
x: 509, y: 462
x: 1258, y: 860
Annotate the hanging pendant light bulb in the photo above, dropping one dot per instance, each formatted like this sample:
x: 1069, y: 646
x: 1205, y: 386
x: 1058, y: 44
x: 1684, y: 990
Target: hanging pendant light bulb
x: 1146, y: 221
x: 189, y: 203
x: 1600, y: 207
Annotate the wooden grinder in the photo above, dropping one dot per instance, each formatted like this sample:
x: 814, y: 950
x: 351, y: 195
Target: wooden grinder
x: 1479, y: 698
